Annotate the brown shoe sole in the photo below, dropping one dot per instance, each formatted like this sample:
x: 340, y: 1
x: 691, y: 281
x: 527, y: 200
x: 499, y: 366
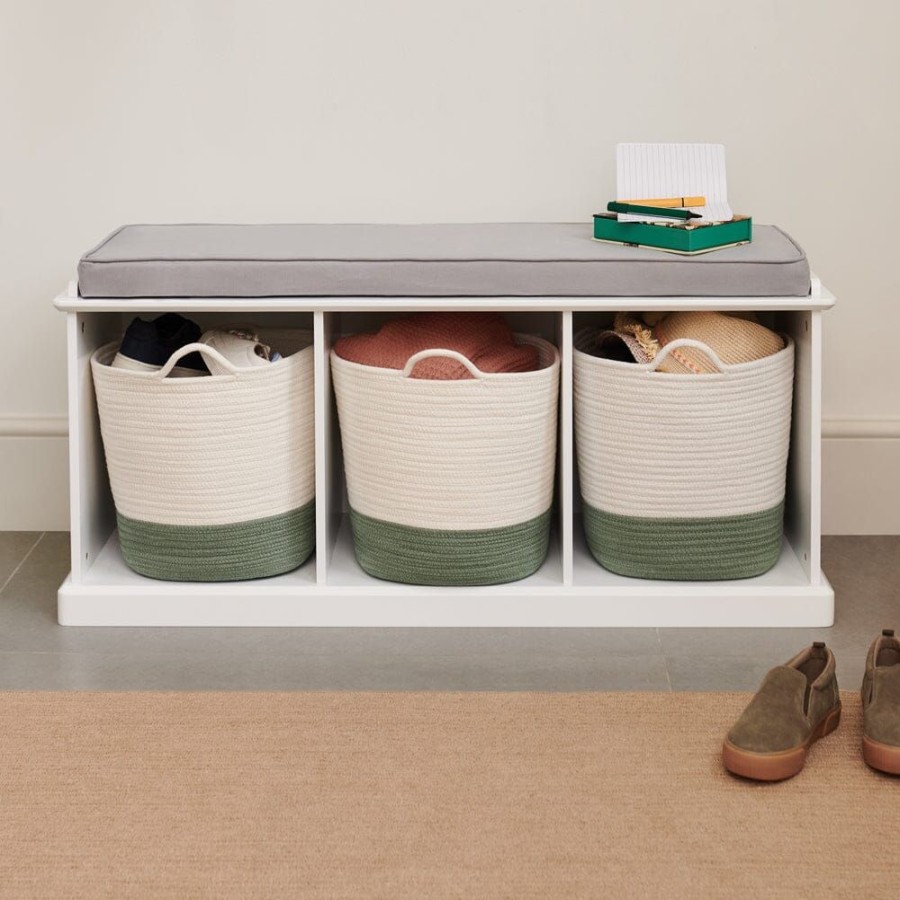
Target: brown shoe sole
x: 780, y: 765
x: 884, y: 757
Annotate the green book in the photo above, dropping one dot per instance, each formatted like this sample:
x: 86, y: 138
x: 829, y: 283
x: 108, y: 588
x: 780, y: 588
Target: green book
x: 674, y: 237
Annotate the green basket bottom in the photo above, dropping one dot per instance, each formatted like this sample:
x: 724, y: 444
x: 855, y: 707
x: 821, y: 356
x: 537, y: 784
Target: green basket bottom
x: 718, y: 548
x: 235, y: 552
x: 435, y: 556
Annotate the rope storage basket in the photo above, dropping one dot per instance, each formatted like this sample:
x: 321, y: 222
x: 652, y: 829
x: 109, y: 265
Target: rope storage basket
x: 450, y: 482
x: 683, y: 476
x: 212, y: 477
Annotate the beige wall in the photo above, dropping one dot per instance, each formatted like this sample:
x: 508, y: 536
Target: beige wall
x: 418, y: 110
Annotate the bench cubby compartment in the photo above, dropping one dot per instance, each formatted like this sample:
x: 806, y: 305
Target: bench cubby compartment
x: 682, y: 475
x: 344, y: 568
x: 213, y: 477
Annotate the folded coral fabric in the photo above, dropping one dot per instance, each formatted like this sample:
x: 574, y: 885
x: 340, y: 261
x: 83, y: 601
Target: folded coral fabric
x: 484, y: 338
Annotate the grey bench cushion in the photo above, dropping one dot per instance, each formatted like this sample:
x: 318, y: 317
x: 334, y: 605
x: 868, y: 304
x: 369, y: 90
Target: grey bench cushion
x: 529, y: 259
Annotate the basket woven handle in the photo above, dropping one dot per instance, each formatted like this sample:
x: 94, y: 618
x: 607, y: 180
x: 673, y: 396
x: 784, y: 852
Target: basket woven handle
x: 713, y: 357
x: 450, y: 354
x: 203, y: 350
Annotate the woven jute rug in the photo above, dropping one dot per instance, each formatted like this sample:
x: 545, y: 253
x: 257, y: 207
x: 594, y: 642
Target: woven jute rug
x: 424, y: 795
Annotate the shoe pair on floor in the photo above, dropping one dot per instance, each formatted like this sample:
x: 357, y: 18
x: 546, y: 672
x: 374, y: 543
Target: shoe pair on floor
x: 799, y: 702
x: 146, y: 346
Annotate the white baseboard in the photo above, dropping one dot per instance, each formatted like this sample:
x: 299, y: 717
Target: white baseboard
x: 34, y: 473
x: 860, y: 474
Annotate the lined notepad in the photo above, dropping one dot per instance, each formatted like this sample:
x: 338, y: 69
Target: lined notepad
x: 673, y: 170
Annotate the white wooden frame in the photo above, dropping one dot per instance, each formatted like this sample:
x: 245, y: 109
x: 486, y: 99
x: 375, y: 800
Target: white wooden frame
x: 569, y: 590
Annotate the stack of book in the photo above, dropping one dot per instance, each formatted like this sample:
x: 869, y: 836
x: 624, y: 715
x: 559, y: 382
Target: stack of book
x: 672, y: 228
x: 678, y: 219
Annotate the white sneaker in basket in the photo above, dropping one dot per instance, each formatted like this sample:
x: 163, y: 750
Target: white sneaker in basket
x: 240, y: 346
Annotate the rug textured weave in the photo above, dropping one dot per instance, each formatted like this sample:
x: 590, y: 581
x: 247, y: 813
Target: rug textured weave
x: 424, y: 795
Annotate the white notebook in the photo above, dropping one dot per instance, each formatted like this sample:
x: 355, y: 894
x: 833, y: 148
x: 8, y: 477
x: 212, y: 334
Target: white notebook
x: 645, y: 171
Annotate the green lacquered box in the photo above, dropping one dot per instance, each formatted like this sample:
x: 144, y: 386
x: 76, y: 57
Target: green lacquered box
x: 674, y: 237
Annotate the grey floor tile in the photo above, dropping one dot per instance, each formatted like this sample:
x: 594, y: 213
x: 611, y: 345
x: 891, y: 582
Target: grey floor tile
x: 744, y: 673
x: 858, y: 622
x: 14, y: 546
x: 716, y: 673
x: 863, y: 569
x: 850, y: 667
x: 865, y: 574
x: 541, y: 672
x: 848, y: 554
x: 774, y: 645
x: 41, y: 572
x: 25, y: 671
x: 28, y: 622
x: 22, y: 670
x: 28, y: 601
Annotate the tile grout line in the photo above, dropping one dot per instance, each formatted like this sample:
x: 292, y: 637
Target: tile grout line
x: 22, y: 562
x: 668, y: 676
x: 665, y: 661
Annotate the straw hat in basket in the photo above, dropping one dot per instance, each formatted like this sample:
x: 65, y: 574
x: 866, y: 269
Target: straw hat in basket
x: 735, y: 337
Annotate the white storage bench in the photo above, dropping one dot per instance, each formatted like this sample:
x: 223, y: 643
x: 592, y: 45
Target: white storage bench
x: 549, y: 280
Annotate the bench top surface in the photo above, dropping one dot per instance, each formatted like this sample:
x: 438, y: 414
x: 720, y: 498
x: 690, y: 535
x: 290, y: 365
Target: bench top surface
x: 441, y: 260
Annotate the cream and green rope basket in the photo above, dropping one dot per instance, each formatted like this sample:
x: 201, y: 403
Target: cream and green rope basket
x: 683, y: 476
x: 213, y: 477
x: 449, y: 482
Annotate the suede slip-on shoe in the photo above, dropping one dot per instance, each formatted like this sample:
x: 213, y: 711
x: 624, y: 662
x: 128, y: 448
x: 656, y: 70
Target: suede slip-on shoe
x: 797, y: 704
x: 881, y: 704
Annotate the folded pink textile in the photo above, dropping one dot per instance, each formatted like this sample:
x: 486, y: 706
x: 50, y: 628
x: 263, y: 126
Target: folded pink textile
x: 484, y: 338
